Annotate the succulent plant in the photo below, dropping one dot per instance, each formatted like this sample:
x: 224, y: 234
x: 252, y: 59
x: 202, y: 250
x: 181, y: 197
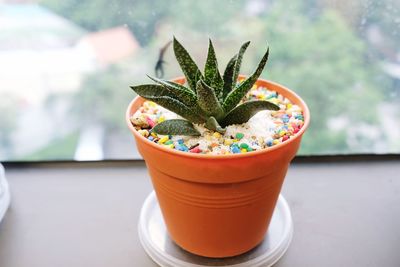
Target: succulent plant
x: 209, y: 98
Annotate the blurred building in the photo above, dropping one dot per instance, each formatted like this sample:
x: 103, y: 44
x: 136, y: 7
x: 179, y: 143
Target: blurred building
x: 109, y: 46
x: 42, y: 53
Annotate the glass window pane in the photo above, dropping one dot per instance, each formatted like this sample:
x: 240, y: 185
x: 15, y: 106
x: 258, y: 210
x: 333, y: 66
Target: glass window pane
x: 66, y: 67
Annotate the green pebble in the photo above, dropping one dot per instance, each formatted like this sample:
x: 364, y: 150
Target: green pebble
x: 244, y: 145
x: 169, y: 142
x: 239, y: 136
x: 249, y: 149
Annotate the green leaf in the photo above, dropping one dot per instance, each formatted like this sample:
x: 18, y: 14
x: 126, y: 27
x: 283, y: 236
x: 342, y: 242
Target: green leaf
x: 213, y: 124
x: 176, y: 127
x: 238, y: 63
x: 228, y: 76
x: 185, y: 95
x: 232, y: 70
x: 188, y: 66
x: 208, y: 101
x: 151, y: 90
x: 234, y: 97
x: 211, y: 73
x: 245, y: 111
x: 177, y: 107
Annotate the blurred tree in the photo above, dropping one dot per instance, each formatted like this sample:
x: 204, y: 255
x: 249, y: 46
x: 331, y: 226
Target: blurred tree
x: 325, y: 62
x: 142, y: 16
x: 103, y: 98
x: 94, y: 15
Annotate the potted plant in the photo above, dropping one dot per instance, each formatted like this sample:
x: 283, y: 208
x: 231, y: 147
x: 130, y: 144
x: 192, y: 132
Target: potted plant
x: 217, y: 192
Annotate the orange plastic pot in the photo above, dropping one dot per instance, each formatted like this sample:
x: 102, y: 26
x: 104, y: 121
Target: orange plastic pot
x: 218, y: 205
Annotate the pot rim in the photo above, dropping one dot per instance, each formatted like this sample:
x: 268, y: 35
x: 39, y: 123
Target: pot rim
x: 306, y: 115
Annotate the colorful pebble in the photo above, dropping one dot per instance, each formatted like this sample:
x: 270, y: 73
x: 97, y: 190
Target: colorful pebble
x: 235, y: 149
x: 163, y: 139
x: 195, y: 150
x: 239, y: 136
x: 217, y: 135
x: 244, y: 146
x: 168, y: 142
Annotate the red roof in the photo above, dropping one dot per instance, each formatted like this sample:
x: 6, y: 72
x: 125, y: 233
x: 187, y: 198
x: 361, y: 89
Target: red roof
x: 112, y: 45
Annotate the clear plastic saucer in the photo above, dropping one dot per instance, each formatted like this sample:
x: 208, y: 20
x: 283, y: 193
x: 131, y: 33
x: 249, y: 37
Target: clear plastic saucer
x: 157, y: 244
x: 4, y: 193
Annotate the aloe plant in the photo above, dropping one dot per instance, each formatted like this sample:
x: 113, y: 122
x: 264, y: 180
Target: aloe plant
x: 209, y: 98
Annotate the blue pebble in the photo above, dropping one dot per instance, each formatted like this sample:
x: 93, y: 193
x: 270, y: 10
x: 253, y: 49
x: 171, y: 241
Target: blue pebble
x: 269, y: 143
x: 299, y: 117
x: 151, y: 138
x: 285, y: 118
x: 235, y: 149
x: 180, y: 141
x: 182, y: 148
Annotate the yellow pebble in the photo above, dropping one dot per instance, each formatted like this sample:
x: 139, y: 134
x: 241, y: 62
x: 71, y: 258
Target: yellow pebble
x: 289, y: 106
x: 282, y: 133
x: 161, y: 119
x: 151, y: 104
x: 144, y: 133
x: 228, y: 142
x: 169, y: 146
x: 153, y: 134
x: 217, y: 135
x: 261, y: 96
x: 275, y: 142
x: 243, y: 150
x: 163, y: 139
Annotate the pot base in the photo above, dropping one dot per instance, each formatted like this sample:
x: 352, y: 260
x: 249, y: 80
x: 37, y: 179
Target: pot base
x: 157, y: 244
x: 4, y: 194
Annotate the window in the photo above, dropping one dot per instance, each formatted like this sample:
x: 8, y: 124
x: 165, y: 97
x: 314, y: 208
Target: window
x: 66, y: 67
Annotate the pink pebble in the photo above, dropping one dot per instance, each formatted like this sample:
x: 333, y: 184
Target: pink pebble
x: 150, y: 122
x: 195, y: 150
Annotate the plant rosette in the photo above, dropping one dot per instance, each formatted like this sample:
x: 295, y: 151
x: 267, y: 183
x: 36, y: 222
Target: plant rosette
x: 215, y: 205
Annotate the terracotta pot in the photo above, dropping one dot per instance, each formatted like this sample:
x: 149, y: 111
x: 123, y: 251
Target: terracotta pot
x: 218, y: 205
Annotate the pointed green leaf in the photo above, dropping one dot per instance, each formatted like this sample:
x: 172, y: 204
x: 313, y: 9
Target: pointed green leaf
x: 211, y: 72
x: 188, y: 66
x: 185, y: 95
x: 228, y: 76
x: 213, y: 124
x: 177, y: 107
x: 234, y: 97
x: 232, y: 70
x: 239, y: 62
x: 208, y: 101
x: 151, y: 90
x: 245, y: 111
x: 176, y: 127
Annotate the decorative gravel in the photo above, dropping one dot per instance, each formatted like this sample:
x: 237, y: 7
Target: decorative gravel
x: 265, y: 129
